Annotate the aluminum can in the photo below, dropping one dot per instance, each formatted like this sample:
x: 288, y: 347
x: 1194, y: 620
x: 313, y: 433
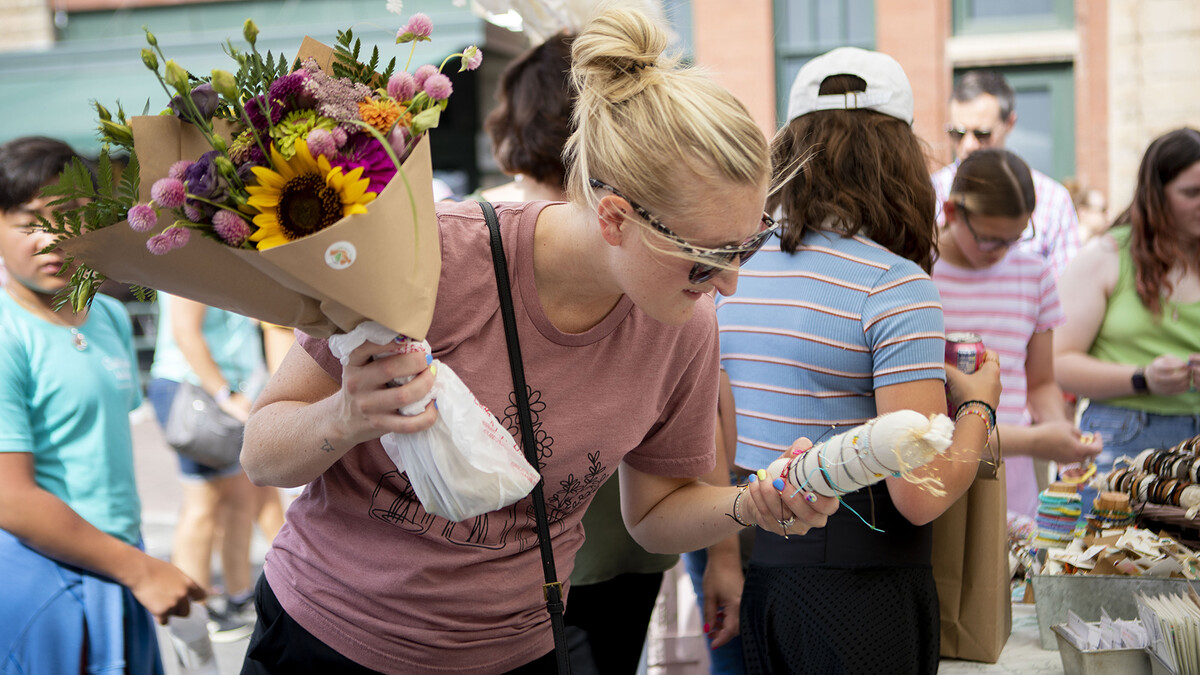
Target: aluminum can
x: 964, y: 351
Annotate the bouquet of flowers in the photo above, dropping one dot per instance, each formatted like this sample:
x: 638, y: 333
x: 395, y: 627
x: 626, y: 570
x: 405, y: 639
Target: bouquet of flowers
x: 299, y: 193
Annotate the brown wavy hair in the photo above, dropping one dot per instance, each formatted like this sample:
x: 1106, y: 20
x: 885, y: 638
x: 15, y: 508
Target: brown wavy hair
x: 532, y: 121
x: 1156, y: 242
x: 862, y: 170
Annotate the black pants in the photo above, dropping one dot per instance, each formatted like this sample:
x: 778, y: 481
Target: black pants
x: 606, y: 623
x: 280, y: 645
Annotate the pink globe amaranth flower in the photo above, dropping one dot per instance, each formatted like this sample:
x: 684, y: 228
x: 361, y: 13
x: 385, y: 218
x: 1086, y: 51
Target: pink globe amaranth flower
x: 320, y: 142
x: 438, y: 87
x: 142, y: 217
x: 423, y: 73
x: 168, y: 193
x: 159, y: 244
x: 475, y: 58
x: 401, y: 86
x: 339, y: 136
x: 419, y: 25
x: 178, y: 236
x: 177, y: 169
x: 192, y: 213
x: 230, y: 227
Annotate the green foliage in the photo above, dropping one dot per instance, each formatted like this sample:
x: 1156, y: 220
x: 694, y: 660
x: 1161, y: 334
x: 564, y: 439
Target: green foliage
x: 254, y: 77
x: 85, y: 202
x: 346, y: 62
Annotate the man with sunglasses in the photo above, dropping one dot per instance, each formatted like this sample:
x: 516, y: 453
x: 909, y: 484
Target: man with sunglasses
x: 982, y: 116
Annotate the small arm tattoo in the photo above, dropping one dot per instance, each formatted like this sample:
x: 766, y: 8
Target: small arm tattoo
x: 327, y: 447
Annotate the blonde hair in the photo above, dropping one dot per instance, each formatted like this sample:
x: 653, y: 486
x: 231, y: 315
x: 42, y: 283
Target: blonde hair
x: 647, y: 126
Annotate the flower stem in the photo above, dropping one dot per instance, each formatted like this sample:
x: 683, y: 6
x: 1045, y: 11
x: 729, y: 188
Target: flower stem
x: 387, y: 147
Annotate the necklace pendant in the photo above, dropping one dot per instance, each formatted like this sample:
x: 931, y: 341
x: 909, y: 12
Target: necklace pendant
x: 80, y: 339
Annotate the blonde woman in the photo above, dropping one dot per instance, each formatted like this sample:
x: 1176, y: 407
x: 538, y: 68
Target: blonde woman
x: 620, y: 355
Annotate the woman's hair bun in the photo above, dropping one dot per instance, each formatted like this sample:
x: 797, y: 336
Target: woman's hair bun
x: 617, y: 55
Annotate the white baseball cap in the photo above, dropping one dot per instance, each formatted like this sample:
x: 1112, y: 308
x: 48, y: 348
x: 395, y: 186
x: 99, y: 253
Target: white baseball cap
x: 888, y: 90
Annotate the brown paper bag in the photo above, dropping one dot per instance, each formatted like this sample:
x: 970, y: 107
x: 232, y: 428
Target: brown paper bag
x: 970, y: 567
x: 381, y: 265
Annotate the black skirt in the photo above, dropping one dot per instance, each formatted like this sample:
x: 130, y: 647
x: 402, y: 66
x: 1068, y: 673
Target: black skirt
x: 840, y: 621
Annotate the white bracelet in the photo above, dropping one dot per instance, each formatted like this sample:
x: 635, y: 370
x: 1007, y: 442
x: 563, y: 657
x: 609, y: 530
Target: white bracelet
x: 222, y: 394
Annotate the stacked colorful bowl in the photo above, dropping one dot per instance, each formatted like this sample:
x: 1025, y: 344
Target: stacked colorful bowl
x: 1059, y: 506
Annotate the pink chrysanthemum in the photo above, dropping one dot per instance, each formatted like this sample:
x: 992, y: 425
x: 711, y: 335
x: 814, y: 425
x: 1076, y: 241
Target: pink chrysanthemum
x: 177, y: 169
x: 320, y: 142
x: 142, y: 217
x: 438, y: 87
x: 423, y: 73
x: 419, y: 25
x: 168, y: 193
x: 230, y: 227
x: 401, y: 86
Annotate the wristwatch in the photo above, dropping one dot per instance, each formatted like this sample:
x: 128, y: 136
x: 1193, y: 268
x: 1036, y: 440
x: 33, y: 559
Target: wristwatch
x: 1140, y: 386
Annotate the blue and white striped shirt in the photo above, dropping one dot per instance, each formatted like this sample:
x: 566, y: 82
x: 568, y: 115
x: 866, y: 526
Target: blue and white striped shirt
x: 809, y: 337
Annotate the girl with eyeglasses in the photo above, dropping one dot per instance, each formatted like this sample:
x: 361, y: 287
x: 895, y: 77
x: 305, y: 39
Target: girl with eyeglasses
x: 619, y: 343
x: 835, y: 323
x: 1007, y: 296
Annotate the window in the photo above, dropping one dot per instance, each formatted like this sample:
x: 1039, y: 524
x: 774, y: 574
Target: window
x: 1044, y: 135
x: 989, y: 16
x: 809, y: 28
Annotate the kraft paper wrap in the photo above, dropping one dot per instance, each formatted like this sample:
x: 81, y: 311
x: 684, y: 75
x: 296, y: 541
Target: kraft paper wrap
x: 970, y: 568
x: 392, y: 277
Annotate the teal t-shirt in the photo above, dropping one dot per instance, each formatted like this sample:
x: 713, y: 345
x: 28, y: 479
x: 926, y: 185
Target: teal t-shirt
x: 70, y: 407
x: 233, y: 340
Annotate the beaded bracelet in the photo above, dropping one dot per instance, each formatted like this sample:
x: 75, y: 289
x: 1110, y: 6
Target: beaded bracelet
x: 736, y: 515
x: 988, y: 414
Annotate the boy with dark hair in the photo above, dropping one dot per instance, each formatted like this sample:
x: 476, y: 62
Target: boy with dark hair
x: 79, y: 591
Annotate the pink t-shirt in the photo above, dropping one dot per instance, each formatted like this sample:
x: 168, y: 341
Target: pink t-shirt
x: 365, y: 569
x: 1006, y: 304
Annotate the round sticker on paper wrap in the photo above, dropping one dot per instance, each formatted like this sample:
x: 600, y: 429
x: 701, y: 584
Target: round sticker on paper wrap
x: 340, y: 255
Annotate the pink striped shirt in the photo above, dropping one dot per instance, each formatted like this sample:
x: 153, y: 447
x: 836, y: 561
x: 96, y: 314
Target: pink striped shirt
x: 1057, y: 238
x: 1005, y: 304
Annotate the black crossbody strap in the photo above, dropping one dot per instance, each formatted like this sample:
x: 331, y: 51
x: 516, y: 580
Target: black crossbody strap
x: 552, y: 589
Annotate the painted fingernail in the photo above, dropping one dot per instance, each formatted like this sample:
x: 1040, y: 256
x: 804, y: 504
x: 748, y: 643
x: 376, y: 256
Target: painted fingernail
x: 707, y: 628
x: 810, y: 497
x: 428, y: 359
x: 433, y: 369
x: 762, y: 474
x: 796, y: 452
x: 752, y: 478
x: 778, y: 484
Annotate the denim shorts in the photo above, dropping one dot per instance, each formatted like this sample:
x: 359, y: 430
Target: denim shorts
x: 1128, y: 432
x: 161, y: 392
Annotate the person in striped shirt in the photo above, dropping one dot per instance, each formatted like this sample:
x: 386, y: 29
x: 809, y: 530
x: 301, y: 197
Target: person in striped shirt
x: 1006, y: 294
x: 982, y: 115
x: 835, y: 324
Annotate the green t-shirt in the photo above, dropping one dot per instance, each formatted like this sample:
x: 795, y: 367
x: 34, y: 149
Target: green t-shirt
x: 70, y: 406
x: 608, y: 550
x: 1131, y: 334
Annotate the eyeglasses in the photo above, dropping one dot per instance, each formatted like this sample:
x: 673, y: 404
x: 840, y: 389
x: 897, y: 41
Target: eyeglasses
x: 989, y: 244
x: 957, y: 132
x: 715, y: 259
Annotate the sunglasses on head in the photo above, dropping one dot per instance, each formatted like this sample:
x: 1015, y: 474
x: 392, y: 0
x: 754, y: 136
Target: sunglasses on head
x: 710, y: 261
x: 958, y: 132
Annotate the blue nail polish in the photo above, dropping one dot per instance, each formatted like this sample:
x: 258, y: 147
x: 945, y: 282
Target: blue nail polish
x: 428, y: 359
x: 752, y: 478
x: 777, y: 484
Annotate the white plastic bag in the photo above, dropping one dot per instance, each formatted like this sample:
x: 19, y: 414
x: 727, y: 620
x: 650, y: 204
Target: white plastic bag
x: 467, y: 463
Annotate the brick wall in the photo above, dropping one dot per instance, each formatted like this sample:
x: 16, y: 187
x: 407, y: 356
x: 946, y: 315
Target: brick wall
x: 25, y: 24
x: 736, y: 43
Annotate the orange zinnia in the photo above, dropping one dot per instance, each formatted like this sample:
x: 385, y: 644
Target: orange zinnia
x: 380, y: 113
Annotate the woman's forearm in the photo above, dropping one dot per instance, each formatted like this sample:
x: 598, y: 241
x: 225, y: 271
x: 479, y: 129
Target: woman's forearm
x: 290, y: 443
x: 1089, y: 377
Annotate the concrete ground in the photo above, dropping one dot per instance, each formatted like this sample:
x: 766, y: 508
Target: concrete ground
x: 159, y: 487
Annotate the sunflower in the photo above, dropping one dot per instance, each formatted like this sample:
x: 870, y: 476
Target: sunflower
x: 303, y: 196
